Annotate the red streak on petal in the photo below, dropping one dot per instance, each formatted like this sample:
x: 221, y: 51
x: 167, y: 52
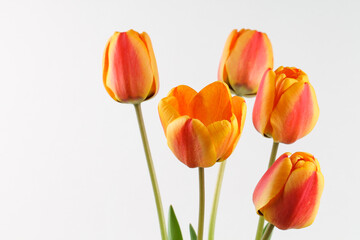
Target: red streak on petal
x: 299, y: 120
x: 124, y: 64
x: 188, y: 146
x: 296, y: 208
x: 253, y: 64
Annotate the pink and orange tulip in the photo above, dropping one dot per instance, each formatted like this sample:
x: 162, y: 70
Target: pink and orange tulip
x: 288, y: 195
x: 202, y: 128
x: 285, y: 108
x: 130, y: 72
x: 246, y: 57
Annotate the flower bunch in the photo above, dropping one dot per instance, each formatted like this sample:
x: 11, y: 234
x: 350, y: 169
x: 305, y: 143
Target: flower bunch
x: 203, y: 128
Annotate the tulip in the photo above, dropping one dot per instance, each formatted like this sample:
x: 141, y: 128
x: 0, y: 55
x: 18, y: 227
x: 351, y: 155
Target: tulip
x: 202, y: 128
x: 129, y: 67
x: 285, y: 108
x: 288, y: 195
x: 246, y: 57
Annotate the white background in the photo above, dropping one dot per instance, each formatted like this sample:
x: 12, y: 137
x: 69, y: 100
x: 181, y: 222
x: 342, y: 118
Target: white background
x: 71, y: 160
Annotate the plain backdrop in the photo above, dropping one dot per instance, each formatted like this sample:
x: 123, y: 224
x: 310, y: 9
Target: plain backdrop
x: 71, y: 160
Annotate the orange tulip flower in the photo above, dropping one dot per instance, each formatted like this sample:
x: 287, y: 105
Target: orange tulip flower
x: 202, y: 128
x: 246, y: 57
x: 288, y: 195
x: 129, y: 67
x: 285, y: 108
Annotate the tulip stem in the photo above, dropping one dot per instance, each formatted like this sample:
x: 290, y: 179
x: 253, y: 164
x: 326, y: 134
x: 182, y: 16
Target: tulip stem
x: 201, y: 203
x: 150, y: 164
x: 274, y: 149
x: 216, y: 200
x: 260, y: 226
x: 268, y: 231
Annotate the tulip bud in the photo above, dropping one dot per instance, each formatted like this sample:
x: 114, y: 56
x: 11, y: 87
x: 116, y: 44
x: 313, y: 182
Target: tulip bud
x: 130, y: 72
x: 246, y: 57
x: 202, y: 128
x: 288, y: 195
x: 285, y: 108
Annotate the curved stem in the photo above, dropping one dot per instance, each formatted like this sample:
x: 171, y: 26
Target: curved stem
x: 268, y: 232
x: 260, y: 226
x: 151, y: 171
x: 274, y: 149
x: 216, y: 200
x: 201, y: 204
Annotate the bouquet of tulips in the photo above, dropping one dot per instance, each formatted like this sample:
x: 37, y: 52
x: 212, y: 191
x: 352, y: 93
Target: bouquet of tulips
x: 203, y: 128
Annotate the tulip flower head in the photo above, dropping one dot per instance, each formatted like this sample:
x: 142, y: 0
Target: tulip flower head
x: 246, y: 57
x: 202, y: 128
x: 288, y: 195
x: 130, y: 72
x: 286, y: 107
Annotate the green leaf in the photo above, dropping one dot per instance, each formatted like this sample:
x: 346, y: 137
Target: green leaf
x: 174, y: 231
x: 192, y: 233
x: 266, y: 226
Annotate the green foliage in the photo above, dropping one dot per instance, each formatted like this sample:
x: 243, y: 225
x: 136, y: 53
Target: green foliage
x: 192, y: 233
x: 174, y: 231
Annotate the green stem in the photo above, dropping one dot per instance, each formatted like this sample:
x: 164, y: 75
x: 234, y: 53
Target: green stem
x: 274, y: 149
x: 268, y: 232
x: 151, y: 171
x: 216, y: 200
x: 260, y: 226
x: 201, y: 204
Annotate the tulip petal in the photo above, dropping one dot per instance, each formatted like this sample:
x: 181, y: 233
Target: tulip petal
x: 272, y: 183
x: 292, y: 72
x: 234, y: 138
x: 237, y: 124
x: 212, y: 104
x: 155, y: 87
x: 296, y: 113
x: 191, y: 142
x: 282, y: 84
x: 220, y: 133
x: 183, y: 94
x: 298, y: 205
x: 168, y: 111
x: 230, y: 41
x: 264, y: 103
x: 106, y: 66
x: 130, y: 75
x: 239, y: 109
x: 175, y: 104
